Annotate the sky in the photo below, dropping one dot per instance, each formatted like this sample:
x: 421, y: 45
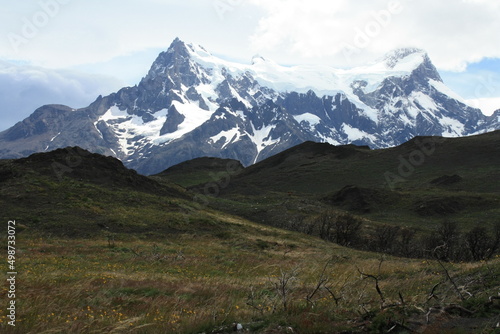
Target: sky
x: 71, y: 51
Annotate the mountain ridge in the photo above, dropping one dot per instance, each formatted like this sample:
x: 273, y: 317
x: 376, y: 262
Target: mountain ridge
x: 192, y: 104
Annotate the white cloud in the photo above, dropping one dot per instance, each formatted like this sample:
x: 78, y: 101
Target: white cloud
x: 93, y: 31
x: 82, y: 32
x: 487, y: 105
x: 26, y: 88
x: 453, y: 32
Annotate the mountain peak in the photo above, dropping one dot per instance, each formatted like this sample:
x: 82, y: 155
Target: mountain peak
x: 394, y: 57
x: 176, y: 43
x: 173, y: 61
x: 412, y: 60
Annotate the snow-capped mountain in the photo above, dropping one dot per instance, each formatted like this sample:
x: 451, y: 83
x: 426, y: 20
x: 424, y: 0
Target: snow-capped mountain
x: 193, y: 104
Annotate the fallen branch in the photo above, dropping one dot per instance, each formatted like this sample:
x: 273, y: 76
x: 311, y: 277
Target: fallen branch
x: 321, y: 282
x: 446, y: 272
x: 377, y: 287
x: 432, y: 294
x: 335, y: 298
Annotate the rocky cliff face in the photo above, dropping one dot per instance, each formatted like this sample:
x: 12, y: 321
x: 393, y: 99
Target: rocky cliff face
x: 192, y: 104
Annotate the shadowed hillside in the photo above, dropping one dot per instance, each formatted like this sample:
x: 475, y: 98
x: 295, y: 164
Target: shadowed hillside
x: 414, y: 188
x: 319, y: 168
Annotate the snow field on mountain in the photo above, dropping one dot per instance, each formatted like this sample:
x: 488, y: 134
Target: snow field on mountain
x: 127, y: 127
x: 454, y: 127
x: 230, y: 136
x: 194, y: 117
x: 313, y: 120
x: 261, y: 138
x: 354, y: 134
x: 322, y: 80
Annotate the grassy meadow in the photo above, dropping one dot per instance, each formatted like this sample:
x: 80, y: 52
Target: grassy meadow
x: 266, y: 279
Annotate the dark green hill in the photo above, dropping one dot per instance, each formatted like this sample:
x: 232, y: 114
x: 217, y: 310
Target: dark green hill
x: 418, y: 184
x: 72, y: 192
x: 199, y: 171
x: 80, y: 165
x: 316, y: 168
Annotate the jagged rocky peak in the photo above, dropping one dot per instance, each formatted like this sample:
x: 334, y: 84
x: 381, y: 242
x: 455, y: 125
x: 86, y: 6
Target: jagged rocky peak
x: 175, y: 66
x: 414, y: 59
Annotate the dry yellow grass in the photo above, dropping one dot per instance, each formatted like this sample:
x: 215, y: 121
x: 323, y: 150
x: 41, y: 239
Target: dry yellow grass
x: 196, y: 283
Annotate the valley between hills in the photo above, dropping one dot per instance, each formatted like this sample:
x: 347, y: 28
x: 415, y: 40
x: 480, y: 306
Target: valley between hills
x: 315, y: 239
